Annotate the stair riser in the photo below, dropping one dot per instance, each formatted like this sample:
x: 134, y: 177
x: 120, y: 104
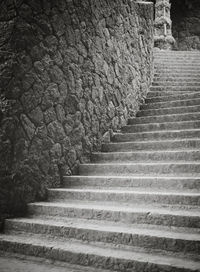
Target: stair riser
x: 118, y: 216
x: 174, y: 89
x: 176, y: 76
x: 163, y: 119
x: 177, y: 61
x: 174, y: 58
x: 119, y: 264
x: 171, y: 98
x: 166, y: 111
x: 92, y: 235
x: 169, y: 104
x: 167, y: 93
x: 161, y: 126
x: 130, y: 137
x: 176, y: 54
x: 142, y: 157
x: 113, y: 147
x: 166, y: 70
x: 157, y: 183
x: 171, y: 79
x: 140, y: 169
x: 193, y: 62
x: 175, y: 79
x: 178, y: 84
x: 56, y: 195
x: 178, y: 66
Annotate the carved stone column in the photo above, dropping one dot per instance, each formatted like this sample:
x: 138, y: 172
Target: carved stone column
x: 163, y: 25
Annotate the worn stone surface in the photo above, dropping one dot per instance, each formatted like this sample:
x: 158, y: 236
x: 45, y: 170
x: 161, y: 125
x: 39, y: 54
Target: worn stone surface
x: 74, y: 71
x: 21, y: 263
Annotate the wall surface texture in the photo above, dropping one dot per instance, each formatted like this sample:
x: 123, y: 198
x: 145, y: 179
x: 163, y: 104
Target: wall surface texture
x: 72, y: 70
x: 186, y: 24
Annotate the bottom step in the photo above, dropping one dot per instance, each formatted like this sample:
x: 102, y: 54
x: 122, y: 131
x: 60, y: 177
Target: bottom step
x: 13, y: 262
x: 99, y: 255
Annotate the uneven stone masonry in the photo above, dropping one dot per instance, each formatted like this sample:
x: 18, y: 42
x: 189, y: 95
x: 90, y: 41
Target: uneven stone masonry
x: 77, y: 70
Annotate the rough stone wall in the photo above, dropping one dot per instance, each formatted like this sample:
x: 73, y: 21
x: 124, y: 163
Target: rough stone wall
x: 77, y: 69
x: 186, y: 24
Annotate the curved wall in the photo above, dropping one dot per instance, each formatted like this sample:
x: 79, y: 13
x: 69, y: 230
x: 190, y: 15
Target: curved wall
x: 73, y: 71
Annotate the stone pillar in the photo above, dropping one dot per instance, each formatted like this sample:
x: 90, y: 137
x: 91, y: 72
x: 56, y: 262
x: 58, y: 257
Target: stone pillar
x: 163, y: 38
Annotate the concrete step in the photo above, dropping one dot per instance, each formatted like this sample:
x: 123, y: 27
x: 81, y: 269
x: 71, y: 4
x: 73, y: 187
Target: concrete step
x: 136, y: 197
x: 175, y: 54
x: 180, y: 75
x: 176, y: 79
x: 191, y: 168
x: 173, y: 58
x: 166, y: 93
x: 160, y: 76
x: 171, y: 104
x: 169, y: 111
x: 176, y: 240
x: 161, y: 126
x: 156, y: 135
x: 172, y: 216
x: 15, y: 262
x: 184, y: 144
x: 172, y: 97
x: 180, y: 61
x: 176, y: 84
x: 147, y: 156
x: 177, y: 69
x: 96, y: 255
x: 158, y: 182
x: 178, y: 64
x: 165, y: 118
x: 175, y: 89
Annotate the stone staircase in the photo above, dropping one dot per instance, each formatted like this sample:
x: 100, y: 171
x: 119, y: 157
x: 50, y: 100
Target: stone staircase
x: 135, y: 207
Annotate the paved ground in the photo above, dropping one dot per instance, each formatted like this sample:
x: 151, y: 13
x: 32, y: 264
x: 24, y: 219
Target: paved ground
x: 21, y: 263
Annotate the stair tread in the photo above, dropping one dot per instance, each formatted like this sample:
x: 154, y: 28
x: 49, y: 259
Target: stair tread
x: 101, y: 249
x: 156, y: 141
x: 190, y: 211
x: 169, y: 108
x: 167, y: 115
x: 140, y: 229
x: 146, y: 163
x: 154, y: 123
x: 149, y: 151
x: 176, y: 100
x: 136, y: 177
x: 139, y: 191
x: 158, y: 131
